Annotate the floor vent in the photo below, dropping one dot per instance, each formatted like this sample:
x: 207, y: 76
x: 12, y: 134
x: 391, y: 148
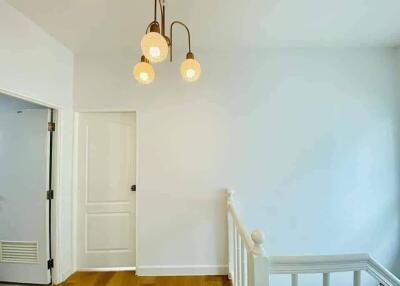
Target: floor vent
x: 18, y: 252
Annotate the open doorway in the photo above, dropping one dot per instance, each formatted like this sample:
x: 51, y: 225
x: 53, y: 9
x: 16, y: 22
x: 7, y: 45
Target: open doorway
x: 26, y: 191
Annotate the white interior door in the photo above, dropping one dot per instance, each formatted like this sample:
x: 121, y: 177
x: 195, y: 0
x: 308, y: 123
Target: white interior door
x: 106, y: 203
x: 24, y: 237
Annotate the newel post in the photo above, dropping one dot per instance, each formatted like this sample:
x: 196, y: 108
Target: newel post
x: 230, y: 228
x: 258, y: 264
x: 229, y: 196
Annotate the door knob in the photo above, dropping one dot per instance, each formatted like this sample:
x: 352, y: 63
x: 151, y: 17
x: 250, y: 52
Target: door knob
x: 133, y: 188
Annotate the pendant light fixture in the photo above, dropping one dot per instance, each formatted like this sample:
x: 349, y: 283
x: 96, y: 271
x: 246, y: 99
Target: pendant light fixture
x: 143, y: 71
x: 155, y: 47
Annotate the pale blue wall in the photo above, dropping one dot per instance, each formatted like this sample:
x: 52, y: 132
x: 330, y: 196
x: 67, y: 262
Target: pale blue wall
x: 307, y: 137
x: 322, y: 175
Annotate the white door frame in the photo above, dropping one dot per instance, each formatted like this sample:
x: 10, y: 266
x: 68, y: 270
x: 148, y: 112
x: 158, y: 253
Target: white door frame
x: 57, y: 179
x: 75, y: 189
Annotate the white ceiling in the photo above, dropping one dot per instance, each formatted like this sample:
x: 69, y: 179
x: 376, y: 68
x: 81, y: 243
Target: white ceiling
x: 104, y: 25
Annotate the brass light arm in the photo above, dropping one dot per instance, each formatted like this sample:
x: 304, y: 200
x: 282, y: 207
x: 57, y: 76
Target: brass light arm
x: 155, y: 10
x: 162, y: 10
x: 170, y: 36
x: 162, y: 19
x: 155, y: 22
x: 162, y: 5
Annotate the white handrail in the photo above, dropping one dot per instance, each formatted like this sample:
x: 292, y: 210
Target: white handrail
x: 317, y: 264
x: 248, y: 265
x: 246, y: 252
x: 240, y: 228
x: 380, y: 273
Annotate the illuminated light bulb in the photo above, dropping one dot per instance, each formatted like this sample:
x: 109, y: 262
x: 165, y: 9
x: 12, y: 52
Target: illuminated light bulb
x: 190, y: 68
x: 154, y: 47
x: 190, y: 73
x: 143, y: 72
x: 154, y: 52
x: 144, y: 76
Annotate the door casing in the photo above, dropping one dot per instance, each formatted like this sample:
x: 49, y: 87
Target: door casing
x: 56, y: 177
x: 75, y: 190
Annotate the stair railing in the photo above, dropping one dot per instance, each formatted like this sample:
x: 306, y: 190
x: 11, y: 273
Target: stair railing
x: 249, y: 266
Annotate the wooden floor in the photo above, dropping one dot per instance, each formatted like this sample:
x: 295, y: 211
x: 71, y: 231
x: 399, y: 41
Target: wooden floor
x: 129, y: 278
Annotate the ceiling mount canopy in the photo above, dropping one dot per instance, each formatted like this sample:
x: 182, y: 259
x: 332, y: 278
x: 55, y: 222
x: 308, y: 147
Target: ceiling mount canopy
x: 156, y: 45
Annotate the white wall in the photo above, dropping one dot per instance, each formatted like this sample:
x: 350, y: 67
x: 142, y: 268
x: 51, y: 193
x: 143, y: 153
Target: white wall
x: 35, y: 66
x: 308, y: 138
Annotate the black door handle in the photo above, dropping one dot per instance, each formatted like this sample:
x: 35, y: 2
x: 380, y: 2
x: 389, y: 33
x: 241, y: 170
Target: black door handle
x: 133, y: 188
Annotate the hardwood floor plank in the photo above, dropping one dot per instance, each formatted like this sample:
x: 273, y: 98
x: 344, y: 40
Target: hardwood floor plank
x: 130, y: 279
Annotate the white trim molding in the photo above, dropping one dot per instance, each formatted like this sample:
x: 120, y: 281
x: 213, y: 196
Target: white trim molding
x: 107, y: 269
x: 181, y: 270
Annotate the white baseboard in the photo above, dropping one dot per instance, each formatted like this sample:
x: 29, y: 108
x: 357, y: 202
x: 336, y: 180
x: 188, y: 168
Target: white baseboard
x: 107, y: 269
x: 182, y: 270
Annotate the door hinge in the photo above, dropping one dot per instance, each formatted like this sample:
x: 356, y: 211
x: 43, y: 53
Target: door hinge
x: 50, y: 263
x: 50, y: 195
x: 51, y: 126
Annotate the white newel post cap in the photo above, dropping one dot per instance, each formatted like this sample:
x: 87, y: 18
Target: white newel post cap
x: 229, y: 195
x: 258, y: 238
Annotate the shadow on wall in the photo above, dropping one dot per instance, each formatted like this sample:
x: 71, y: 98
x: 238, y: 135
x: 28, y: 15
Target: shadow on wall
x: 2, y: 200
x: 396, y: 263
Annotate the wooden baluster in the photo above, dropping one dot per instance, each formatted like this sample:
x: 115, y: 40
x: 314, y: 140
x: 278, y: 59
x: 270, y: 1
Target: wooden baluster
x: 326, y: 279
x: 229, y: 201
x: 235, y: 273
x: 357, y: 278
x: 250, y: 268
x: 231, y: 257
x: 239, y: 256
x: 243, y: 267
x: 295, y: 279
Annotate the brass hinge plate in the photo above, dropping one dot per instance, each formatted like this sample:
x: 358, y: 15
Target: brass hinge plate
x: 50, y: 264
x: 51, y: 126
x: 50, y: 195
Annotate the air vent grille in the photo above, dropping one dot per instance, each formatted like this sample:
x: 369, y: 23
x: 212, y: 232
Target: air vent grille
x: 18, y: 252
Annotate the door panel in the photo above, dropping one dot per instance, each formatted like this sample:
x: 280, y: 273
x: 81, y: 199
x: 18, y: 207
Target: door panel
x: 106, y: 204
x: 24, y: 158
x: 112, y: 160
x: 116, y: 223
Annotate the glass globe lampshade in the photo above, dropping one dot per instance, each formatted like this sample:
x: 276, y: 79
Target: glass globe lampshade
x: 143, y: 72
x: 190, y: 69
x: 154, y: 47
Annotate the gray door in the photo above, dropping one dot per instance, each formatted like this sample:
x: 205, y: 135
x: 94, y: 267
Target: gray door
x: 24, y: 157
